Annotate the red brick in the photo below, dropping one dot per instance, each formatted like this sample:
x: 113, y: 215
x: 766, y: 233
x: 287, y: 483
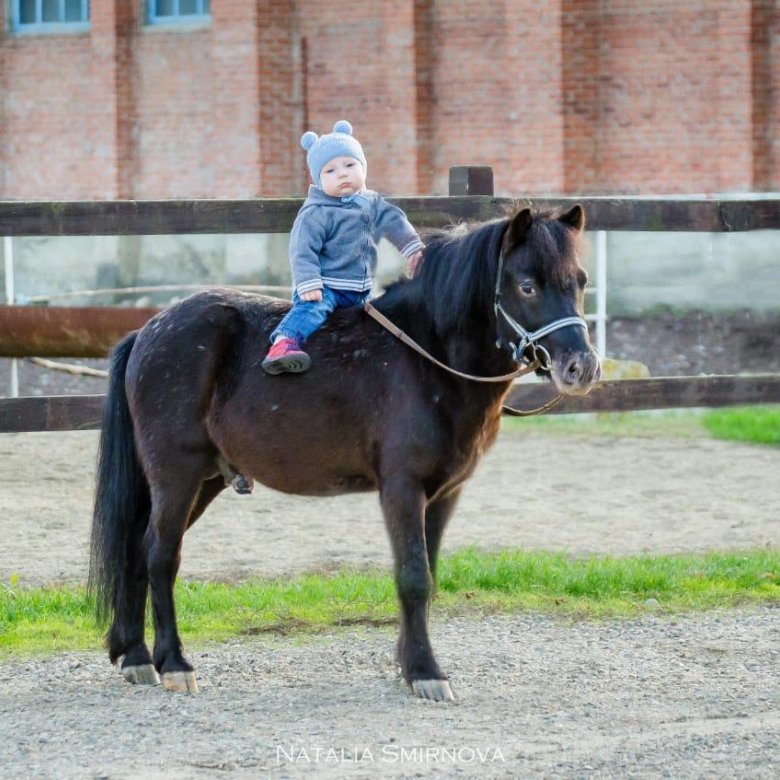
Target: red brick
x: 571, y: 96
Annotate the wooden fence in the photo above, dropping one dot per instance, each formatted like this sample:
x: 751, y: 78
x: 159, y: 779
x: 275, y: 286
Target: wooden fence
x: 471, y: 198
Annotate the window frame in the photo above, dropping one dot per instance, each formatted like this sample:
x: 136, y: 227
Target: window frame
x: 176, y: 18
x: 40, y: 28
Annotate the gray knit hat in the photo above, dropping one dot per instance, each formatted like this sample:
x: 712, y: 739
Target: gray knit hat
x: 322, y: 149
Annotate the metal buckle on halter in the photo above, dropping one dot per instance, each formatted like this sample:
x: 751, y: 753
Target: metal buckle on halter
x: 538, y: 353
x: 541, y: 354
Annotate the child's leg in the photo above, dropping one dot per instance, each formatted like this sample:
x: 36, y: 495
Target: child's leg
x: 301, y: 321
x: 305, y: 317
x: 347, y: 298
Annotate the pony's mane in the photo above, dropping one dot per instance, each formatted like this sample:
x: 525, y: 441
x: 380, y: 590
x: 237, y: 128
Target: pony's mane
x: 457, y: 276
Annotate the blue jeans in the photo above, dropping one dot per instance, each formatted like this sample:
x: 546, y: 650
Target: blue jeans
x: 307, y: 316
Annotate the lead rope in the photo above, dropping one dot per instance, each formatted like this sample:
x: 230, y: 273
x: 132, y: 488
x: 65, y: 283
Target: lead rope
x: 522, y: 371
x: 551, y: 404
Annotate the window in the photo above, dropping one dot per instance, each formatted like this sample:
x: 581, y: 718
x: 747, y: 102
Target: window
x: 172, y: 11
x: 50, y: 15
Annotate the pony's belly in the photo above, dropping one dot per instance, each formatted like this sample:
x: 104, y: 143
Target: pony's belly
x: 308, y: 448
x: 313, y: 484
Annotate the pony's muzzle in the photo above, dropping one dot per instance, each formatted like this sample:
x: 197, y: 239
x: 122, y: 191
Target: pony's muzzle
x: 575, y: 372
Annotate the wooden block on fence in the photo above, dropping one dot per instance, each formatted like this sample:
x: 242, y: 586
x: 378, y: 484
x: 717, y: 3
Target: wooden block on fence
x: 632, y: 395
x: 471, y: 180
x: 51, y: 413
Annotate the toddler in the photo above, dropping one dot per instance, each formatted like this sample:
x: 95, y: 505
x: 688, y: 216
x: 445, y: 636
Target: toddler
x: 333, y: 243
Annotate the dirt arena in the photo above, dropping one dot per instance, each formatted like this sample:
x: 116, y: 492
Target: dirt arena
x: 690, y: 696
x: 582, y: 494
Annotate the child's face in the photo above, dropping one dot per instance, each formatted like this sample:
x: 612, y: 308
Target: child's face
x: 342, y: 176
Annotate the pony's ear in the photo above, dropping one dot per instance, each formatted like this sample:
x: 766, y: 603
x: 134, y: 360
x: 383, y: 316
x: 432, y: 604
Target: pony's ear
x: 574, y: 217
x: 517, y: 229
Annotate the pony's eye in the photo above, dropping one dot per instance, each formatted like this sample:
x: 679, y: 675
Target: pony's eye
x: 527, y: 289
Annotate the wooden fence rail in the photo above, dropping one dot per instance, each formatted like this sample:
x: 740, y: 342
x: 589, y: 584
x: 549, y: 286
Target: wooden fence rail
x: 83, y: 412
x: 276, y: 215
x: 471, y: 198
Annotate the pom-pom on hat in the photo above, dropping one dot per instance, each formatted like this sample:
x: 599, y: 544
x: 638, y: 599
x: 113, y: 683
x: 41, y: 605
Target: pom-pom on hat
x: 323, y: 148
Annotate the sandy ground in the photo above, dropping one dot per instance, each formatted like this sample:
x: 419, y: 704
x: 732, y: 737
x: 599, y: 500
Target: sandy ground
x: 582, y: 494
x: 694, y: 696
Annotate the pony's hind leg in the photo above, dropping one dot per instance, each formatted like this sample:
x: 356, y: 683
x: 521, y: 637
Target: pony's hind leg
x: 209, y: 490
x: 174, y: 501
x: 126, y: 636
x: 402, y: 505
x: 137, y: 665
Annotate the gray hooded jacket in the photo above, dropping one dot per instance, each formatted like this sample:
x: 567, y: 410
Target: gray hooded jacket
x: 333, y: 241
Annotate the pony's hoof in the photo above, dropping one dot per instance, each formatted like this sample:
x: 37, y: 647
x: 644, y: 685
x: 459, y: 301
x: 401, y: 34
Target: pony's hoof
x: 145, y: 674
x: 180, y: 682
x: 435, y: 690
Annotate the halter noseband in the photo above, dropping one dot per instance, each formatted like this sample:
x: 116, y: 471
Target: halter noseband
x: 528, y: 338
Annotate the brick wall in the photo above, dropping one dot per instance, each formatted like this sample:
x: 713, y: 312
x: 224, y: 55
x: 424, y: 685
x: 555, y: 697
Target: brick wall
x: 177, y: 110
x: 633, y: 96
x: 361, y: 67
x: 57, y: 136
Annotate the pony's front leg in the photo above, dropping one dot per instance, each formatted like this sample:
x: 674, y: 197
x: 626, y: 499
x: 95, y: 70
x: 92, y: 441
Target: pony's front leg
x: 403, y: 506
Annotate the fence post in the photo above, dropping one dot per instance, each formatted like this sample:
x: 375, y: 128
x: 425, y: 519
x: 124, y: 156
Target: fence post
x: 601, y: 293
x: 8, y: 257
x: 471, y: 180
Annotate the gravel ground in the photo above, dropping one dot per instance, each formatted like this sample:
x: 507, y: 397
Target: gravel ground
x: 688, y: 697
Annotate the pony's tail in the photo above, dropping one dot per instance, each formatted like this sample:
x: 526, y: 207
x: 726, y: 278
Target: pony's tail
x: 121, y: 506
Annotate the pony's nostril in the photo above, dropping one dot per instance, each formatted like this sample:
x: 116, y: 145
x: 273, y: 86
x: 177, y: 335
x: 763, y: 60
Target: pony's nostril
x: 573, y: 370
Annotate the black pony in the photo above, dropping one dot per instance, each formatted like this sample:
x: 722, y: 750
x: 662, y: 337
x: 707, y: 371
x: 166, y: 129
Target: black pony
x: 188, y: 406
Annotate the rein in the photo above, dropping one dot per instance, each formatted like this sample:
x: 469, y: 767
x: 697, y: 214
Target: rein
x: 540, y: 357
x: 522, y: 371
x: 410, y: 342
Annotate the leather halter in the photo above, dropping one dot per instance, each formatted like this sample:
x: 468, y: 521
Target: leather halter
x: 528, y: 338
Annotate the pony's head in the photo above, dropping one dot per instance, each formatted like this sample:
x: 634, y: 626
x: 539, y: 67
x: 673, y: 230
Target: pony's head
x: 539, y: 296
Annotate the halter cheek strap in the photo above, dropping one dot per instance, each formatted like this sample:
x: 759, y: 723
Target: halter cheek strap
x: 528, y: 338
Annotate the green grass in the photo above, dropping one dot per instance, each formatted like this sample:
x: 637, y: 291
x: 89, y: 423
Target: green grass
x: 756, y: 424
x: 470, y: 582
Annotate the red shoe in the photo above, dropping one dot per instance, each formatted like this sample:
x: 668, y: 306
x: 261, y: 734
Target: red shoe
x: 286, y: 355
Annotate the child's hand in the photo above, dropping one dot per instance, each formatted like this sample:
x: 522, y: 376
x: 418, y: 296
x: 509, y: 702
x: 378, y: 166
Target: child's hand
x: 412, y: 262
x: 312, y: 295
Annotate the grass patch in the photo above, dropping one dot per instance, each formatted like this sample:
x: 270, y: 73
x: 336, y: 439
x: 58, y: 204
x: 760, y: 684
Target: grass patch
x: 47, y: 620
x: 755, y: 424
